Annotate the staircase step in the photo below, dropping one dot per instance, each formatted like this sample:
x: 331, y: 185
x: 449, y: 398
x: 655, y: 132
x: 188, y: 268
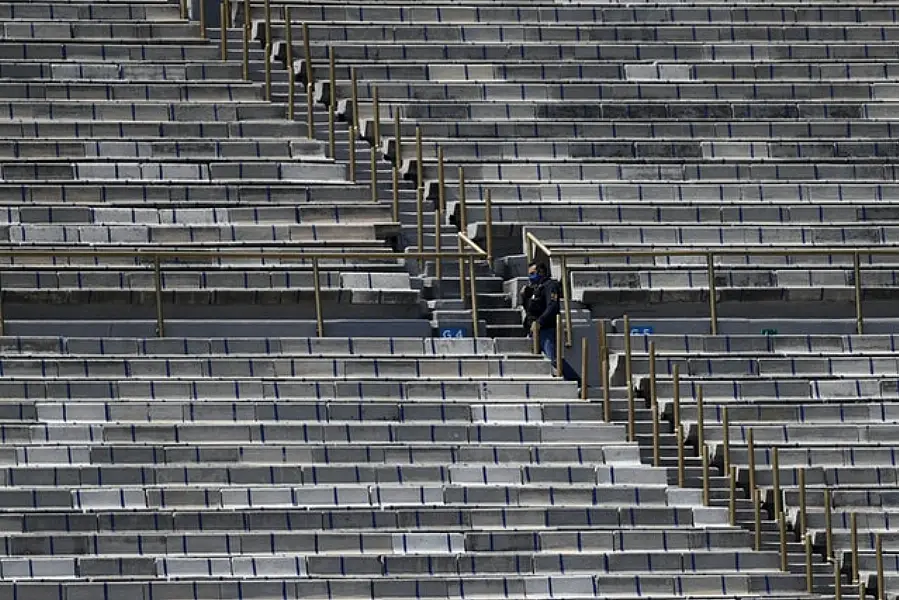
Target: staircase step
x: 505, y: 331
x: 449, y: 287
x: 500, y: 316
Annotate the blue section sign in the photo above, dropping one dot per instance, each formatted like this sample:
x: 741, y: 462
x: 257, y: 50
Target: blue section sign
x: 641, y: 330
x: 452, y: 332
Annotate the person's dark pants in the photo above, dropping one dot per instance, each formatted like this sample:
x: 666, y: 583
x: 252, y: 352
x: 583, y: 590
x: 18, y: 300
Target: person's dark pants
x: 548, y: 345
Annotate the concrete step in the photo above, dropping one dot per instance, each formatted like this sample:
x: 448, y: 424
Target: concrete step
x: 505, y: 331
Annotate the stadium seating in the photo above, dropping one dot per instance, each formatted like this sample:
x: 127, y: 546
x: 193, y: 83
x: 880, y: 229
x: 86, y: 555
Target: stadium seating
x: 237, y: 452
x: 286, y: 466
x: 690, y: 128
x: 124, y: 130
x: 675, y: 125
x: 825, y: 403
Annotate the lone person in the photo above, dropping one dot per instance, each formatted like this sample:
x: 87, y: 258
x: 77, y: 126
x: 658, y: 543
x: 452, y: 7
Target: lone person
x: 540, y: 298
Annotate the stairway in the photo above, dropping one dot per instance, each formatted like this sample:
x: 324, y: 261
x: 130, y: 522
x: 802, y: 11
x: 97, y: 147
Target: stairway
x: 447, y: 308
x: 719, y: 490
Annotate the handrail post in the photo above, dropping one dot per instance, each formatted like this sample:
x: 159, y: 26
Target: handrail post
x: 700, y: 421
x: 438, y: 214
x: 801, y: 526
x: 782, y: 530
x: 757, y: 509
x: 628, y: 375
x: 438, y: 231
x: 559, y: 355
x: 853, y: 542
x: 753, y: 493
x: 474, y: 298
x: 420, y: 194
x: 463, y: 227
x: 809, y: 573
x: 223, y: 42
x: 488, y: 218
x: 352, y: 139
x: 354, y: 94
x: 859, y: 315
x: 316, y: 286
x: 566, y: 295
x: 291, y: 79
x: 878, y: 553
x: 267, y: 7
x: 374, y: 179
x: 376, y: 117
x: 603, y: 339
x: 681, y: 455
x: 726, y: 442
x: 837, y: 582
x: 184, y: 12
x: 419, y: 160
x: 775, y: 473
x: 585, y: 365
x: 268, y: 70
x: 606, y: 398
x: 397, y: 137
x: 750, y: 449
x: 828, y: 524
x: 706, y: 481
x: 307, y: 55
x: 676, y: 394
x: 463, y: 204
x: 310, y: 84
x: 713, y: 294
x: 396, y: 198
x: 654, y: 406
x: 201, y: 14
x: 732, y: 503
x: 157, y: 280
x: 461, y: 271
x: 226, y: 22
x: 246, y: 39
x: 604, y: 373
x: 332, y: 102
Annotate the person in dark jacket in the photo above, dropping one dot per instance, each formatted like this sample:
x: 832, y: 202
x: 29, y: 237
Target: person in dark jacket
x: 541, y: 300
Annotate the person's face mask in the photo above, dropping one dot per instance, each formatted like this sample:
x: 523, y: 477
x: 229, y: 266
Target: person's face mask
x: 534, y: 277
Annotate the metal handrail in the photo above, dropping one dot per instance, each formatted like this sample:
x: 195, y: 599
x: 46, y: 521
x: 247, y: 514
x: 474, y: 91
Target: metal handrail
x: 155, y: 260
x: 472, y: 244
x: 533, y: 243
x: 731, y: 251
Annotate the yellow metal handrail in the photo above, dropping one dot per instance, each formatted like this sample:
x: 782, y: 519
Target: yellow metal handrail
x: 533, y: 244
x: 353, y: 111
x: 464, y: 240
x: 472, y: 244
x: 155, y: 260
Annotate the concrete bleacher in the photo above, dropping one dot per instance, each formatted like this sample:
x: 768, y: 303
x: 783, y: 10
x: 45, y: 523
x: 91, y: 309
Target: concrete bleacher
x: 713, y: 128
x: 404, y: 467
x: 776, y: 120
x: 243, y: 455
x: 826, y: 403
x: 124, y: 130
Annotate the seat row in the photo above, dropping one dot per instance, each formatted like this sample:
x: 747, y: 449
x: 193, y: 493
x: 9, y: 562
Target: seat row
x: 548, y: 13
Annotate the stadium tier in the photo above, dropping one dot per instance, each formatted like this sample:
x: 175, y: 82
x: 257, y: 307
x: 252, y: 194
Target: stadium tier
x: 261, y: 334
